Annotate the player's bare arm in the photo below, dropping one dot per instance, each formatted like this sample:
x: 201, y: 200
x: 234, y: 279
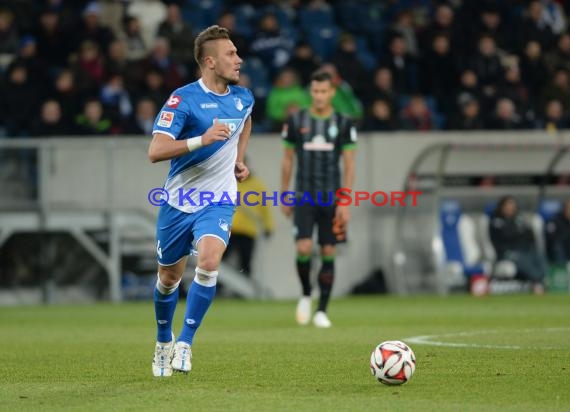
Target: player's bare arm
x: 241, y: 170
x: 286, y: 170
x: 343, y: 212
x: 163, y: 147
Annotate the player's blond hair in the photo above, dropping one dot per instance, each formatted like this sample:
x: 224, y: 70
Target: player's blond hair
x: 211, y: 33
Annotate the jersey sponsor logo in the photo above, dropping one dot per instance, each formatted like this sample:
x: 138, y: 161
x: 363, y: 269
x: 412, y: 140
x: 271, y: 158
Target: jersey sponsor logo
x: 165, y: 119
x: 208, y: 105
x: 173, y: 101
x: 318, y: 144
x: 238, y: 103
x: 232, y: 123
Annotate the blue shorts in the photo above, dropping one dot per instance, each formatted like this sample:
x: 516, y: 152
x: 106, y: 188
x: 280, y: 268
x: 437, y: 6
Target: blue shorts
x: 177, y: 232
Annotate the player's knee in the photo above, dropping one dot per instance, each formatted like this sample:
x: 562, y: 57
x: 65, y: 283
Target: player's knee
x: 209, y: 263
x: 206, y: 277
x: 169, y: 277
x: 304, y: 247
x: 328, y: 251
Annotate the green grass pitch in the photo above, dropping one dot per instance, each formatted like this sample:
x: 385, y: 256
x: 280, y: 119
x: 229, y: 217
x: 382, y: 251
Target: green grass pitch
x: 251, y: 356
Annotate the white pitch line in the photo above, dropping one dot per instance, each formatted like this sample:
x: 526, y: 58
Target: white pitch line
x: 429, y: 339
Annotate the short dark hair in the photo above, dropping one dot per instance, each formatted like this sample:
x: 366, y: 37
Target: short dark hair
x: 211, y: 33
x: 321, y: 76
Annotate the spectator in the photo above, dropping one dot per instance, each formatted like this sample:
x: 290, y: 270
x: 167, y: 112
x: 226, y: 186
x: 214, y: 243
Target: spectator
x: 55, y: 43
x: 115, y: 99
x: 354, y: 73
x: 286, y: 97
x: 514, y: 89
x: 416, y: 115
x: 534, y: 72
x: 490, y: 23
x: 404, y: 27
x: 228, y: 20
x: 487, y: 65
x: 91, y: 28
x: 554, y: 118
x: 51, y: 121
x: 469, y: 117
x: 153, y: 87
x: 149, y: 14
x: 143, y: 121
x: 533, y: 28
x: 160, y: 58
x: 8, y: 34
x: 304, y: 61
x: 271, y: 45
x: 380, y: 117
x: 440, y: 71
x: 37, y: 69
x: 382, y: 88
x: 89, y: 67
x: 505, y: 117
x: 344, y: 101
x: 558, y: 236
x: 558, y: 89
x: 559, y: 57
x: 402, y: 66
x: 135, y: 44
x: 443, y: 23
x: 513, y: 240
x: 179, y: 35
x: 92, y: 120
x: 65, y: 92
x: 553, y: 16
x: 19, y: 101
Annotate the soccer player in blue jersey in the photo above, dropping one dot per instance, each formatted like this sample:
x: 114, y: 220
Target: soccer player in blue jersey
x: 203, y: 129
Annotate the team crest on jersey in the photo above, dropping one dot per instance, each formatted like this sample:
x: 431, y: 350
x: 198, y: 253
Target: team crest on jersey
x: 173, y: 101
x: 224, y: 225
x: 238, y: 103
x: 333, y: 131
x: 166, y: 119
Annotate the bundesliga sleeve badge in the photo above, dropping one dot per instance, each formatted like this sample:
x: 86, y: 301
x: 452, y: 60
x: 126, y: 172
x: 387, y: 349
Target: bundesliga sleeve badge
x: 166, y: 119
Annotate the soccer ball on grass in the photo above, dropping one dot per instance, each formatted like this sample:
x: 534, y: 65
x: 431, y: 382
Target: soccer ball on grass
x: 392, y: 362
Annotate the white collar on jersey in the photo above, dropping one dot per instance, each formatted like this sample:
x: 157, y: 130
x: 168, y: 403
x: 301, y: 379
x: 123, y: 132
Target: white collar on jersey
x: 206, y: 90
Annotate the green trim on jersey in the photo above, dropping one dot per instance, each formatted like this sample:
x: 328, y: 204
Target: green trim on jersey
x: 350, y: 146
x: 289, y: 144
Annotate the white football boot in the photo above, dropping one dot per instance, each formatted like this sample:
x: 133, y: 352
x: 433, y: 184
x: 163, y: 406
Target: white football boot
x: 303, y: 312
x: 182, y: 358
x: 162, y: 357
x: 321, y: 320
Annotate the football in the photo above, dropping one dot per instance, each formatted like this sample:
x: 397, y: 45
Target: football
x: 392, y: 362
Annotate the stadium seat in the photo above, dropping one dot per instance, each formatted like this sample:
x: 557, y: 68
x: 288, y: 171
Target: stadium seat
x: 201, y: 13
x: 323, y: 40
x: 259, y: 76
x: 311, y: 18
x: 462, y: 253
x: 364, y: 54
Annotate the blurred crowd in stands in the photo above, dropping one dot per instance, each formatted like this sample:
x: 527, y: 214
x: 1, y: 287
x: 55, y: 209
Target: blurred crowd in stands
x: 97, y: 68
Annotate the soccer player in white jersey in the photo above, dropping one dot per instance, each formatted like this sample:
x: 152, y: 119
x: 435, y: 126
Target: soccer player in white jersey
x: 203, y: 129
